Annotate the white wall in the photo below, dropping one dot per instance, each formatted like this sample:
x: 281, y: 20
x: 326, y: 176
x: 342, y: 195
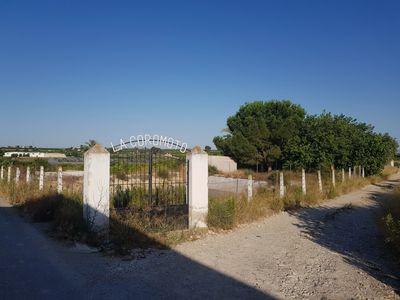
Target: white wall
x: 222, y: 163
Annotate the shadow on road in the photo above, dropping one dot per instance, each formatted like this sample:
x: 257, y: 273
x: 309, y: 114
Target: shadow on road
x: 353, y: 232
x: 32, y: 266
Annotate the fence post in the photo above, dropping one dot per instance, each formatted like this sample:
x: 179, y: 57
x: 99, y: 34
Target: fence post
x: 96, y: 188
x: 2, y: 173
x: 237, y: 187
x: 17, y: 174
x: 303, y: 181
x: 198, y: 187
x: 28, y: 174
x: 281, y: 185
x: 363, y: 172
x: 250, y: 188
x: 41, y: 178
x: 343, y: 176
x: 349, y: 172
x: 8, y: 174
x: 59, y: 180
x: 333, y: 176
x: 319, y: 180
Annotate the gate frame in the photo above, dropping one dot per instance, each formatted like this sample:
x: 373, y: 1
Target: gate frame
x: 96, y: 187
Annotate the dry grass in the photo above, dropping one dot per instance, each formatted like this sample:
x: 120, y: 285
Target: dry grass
x: 140, y: 230
x: 226, y: 212
x: 389, y: 170
x: 65, y: 212
x: 132, y: 230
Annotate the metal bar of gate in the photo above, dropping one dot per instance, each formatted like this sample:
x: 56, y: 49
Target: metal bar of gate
x: 151, y: 176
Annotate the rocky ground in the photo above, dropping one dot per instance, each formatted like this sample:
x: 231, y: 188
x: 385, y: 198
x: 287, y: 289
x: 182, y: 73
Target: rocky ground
x: 334, y: 251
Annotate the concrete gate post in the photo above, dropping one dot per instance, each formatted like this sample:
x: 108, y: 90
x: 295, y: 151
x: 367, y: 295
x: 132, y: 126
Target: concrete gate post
x: 96, y: 188
x: 198, y: 187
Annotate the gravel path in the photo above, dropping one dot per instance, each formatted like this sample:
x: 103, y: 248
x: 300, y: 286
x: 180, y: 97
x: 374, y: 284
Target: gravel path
x: 333, y: 251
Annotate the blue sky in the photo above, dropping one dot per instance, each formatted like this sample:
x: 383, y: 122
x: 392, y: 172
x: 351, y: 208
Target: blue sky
x: 77, y: 70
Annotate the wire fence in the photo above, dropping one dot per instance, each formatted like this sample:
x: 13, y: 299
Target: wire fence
x: 245, y: 183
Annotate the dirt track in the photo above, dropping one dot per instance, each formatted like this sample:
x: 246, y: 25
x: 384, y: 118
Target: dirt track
x: 334, y: 251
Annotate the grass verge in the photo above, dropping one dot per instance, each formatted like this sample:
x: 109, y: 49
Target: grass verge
x: 228, y: 211
x: 128, y: 229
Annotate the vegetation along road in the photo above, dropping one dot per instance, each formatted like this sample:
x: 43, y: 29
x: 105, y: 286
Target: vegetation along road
x: 330, y: 251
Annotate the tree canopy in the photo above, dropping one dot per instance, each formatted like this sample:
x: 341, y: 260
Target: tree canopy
x: 282, y: 133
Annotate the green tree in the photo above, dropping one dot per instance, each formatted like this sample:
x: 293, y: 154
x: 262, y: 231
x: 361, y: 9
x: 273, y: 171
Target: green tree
x: 259, y: 131
x: 281, y: 132
x: 89, y: 144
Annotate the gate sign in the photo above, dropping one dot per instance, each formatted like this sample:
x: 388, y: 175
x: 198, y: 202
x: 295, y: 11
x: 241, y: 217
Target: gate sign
x: 143, y: 140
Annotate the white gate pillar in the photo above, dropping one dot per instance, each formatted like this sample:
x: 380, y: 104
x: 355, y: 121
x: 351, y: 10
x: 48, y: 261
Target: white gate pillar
x: 96, y: 188
x: 198, y: 188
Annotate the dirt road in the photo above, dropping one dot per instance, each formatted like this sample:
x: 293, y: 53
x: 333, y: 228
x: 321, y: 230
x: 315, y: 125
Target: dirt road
x: 334, y: 251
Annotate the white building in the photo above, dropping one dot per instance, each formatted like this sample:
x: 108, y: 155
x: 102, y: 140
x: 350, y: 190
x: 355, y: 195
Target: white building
x: 34, y: 154
x: 222, y: 163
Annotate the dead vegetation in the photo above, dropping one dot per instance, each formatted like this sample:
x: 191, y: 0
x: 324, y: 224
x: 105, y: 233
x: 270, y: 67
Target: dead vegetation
x: 228, y: 211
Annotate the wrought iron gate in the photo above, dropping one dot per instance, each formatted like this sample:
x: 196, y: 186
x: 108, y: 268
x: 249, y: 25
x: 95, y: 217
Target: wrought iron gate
x: 150, y: 178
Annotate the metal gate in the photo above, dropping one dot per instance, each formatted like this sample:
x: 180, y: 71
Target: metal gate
x: 150, y: 179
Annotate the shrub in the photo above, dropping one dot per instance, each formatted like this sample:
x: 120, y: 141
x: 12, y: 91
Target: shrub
x: 221, y: 212
x: 42, y: 209
x: 212, y: 170
x: 391, y: 221
x: 393, y: 229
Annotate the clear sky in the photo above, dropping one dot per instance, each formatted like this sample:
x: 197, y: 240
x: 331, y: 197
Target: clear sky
x: 71, y: 71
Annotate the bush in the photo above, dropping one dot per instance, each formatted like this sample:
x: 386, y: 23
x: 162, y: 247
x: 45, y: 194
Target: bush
x: 43, y: 209
x: 212, y: 170
x: 391, y: 221
x: 221, y: 213
x: 393, y: 229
